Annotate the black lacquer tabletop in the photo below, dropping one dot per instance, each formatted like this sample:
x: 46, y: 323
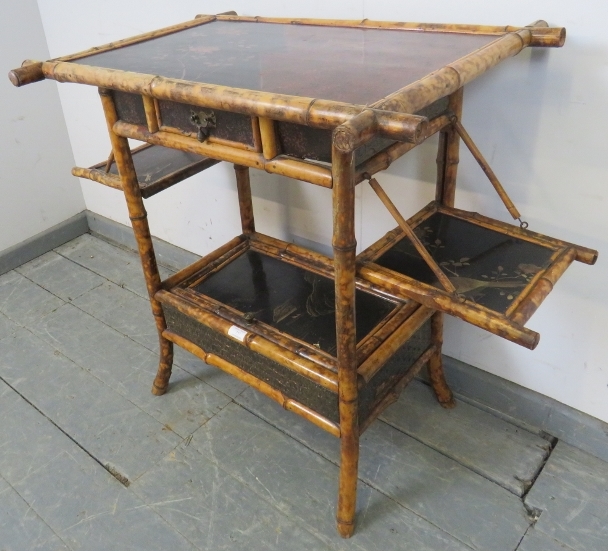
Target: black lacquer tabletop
x: 484, y: 265
x: 353, y: 65
x: 290, y: 299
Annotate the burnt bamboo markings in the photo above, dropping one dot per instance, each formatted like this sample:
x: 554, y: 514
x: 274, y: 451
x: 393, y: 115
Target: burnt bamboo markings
x: 138, y: 216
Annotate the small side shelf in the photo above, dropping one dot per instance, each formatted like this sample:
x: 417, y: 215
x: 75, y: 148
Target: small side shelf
x: 501, y: 273
x: 264, y: 311
x: 157, y: 168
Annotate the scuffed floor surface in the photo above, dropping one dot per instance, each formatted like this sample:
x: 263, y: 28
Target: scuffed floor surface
x: 90, y: 460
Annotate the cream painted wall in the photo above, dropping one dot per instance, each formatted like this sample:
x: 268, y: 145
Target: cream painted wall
x: 539, y: 118
x: 36, y: 189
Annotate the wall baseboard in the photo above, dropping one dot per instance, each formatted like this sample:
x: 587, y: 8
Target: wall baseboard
x: 168, y: 255
x: 43, y: 242
x: 527, y: 408
x: 516, y: 404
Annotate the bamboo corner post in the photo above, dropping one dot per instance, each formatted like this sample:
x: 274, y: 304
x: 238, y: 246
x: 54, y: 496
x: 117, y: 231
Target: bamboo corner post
x: 344, y: 246
x: 141, y: 229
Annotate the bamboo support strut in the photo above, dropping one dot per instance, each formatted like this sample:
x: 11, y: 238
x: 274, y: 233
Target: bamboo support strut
x: 141, y: 230
x: 443, y: 279
x: 504, y: 197
x: 300, y: 170
x: 268, y: 135
x: 263, y: 387
x: 243, y: 187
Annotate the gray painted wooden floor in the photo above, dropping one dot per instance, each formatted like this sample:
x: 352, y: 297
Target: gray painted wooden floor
x: 89, y: 459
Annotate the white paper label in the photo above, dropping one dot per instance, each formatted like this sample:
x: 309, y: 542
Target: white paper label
x: 237, y: 333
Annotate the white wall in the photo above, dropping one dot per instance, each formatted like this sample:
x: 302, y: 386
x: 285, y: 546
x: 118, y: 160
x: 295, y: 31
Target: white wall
x: 539, y: 118
x: 36, y: 188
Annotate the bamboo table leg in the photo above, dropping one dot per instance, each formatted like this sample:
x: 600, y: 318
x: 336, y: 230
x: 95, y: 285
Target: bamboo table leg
x: 344, y: 246
x: 447, y: 167
x: 139, y: 221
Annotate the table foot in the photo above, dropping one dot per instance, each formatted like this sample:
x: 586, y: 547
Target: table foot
x: 161, y: 381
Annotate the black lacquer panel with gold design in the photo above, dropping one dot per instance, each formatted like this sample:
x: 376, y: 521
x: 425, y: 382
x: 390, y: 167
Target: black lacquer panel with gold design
x: 486, y: 266
x: 293, y: 300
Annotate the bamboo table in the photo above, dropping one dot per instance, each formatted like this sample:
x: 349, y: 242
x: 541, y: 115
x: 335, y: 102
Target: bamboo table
x: 330, y: 103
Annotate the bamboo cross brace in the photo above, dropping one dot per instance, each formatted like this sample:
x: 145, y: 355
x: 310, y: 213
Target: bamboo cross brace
x: 409, y: 232
x: 486, y: 168
x: 110, y: 161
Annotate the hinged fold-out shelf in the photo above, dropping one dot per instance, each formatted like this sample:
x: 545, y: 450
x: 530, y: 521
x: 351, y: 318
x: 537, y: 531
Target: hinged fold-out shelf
x: 157, y: 168
x: 264, y: 310
x: 501, y: 273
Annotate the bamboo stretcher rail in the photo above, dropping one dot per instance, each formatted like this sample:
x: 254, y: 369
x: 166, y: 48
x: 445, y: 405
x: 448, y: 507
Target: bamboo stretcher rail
x: 395, y: 341
x: 542, y: 35
x: 583, y: 254
x: 370, y: 344
x: 398, y: 387
x: 301, y: 170
x: 255, y: 342
x: 504, y: 197
x: 114, y: 181
x: 313, y: 112
x: 324, y: 360
x: 455, y: 75
x: 401, y: 286
x: 105, y: 178
x: 264, y: 388
x: 409, y: 232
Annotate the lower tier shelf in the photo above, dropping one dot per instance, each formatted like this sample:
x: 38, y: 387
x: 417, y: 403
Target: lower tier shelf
x: 263, y: 310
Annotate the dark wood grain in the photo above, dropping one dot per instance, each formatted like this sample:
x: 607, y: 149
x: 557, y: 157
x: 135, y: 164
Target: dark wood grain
x: 357, y: 66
